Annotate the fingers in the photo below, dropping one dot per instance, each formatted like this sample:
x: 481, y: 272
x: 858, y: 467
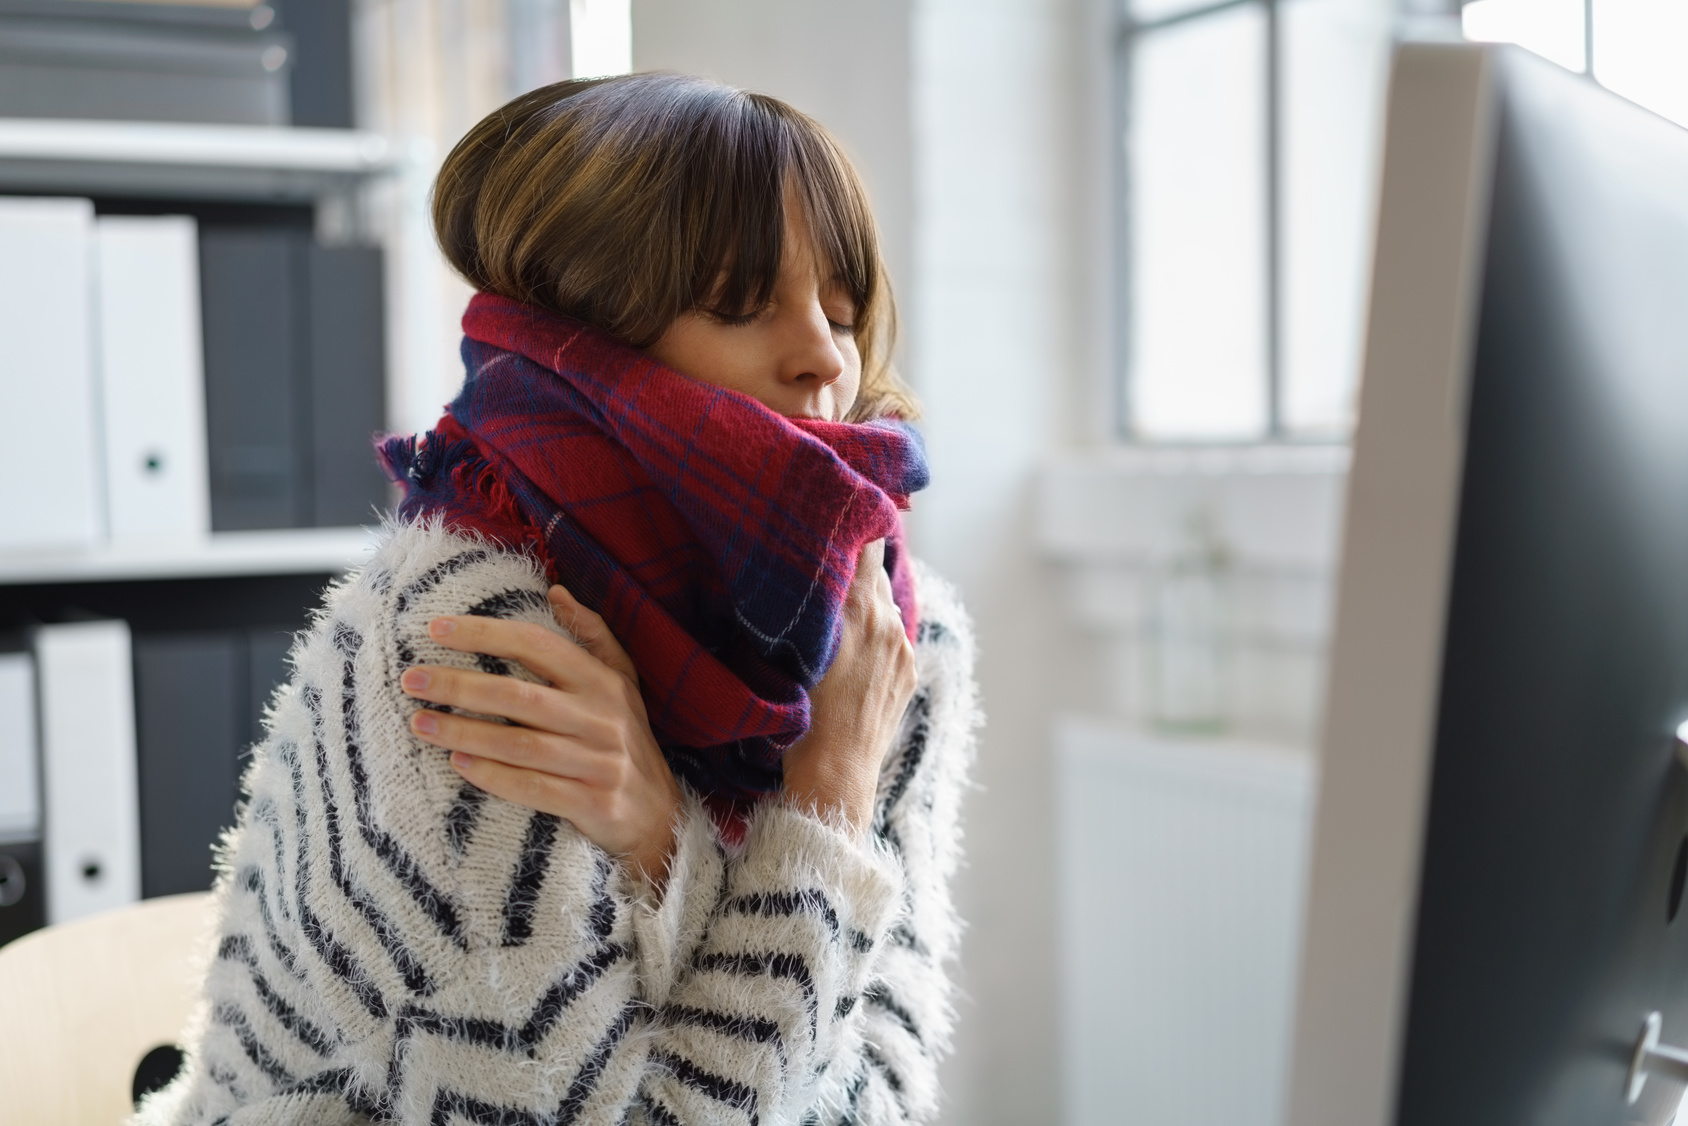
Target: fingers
x: 870, y: 592
x: 548, y: 793
x: 872, y: 559
x: 887, y: 597
x: 870, y: 566
x: 543, y: 652
x: 882, y: 584
x: 546, y: 752
x: 590, y: 630
x: 524, y: 702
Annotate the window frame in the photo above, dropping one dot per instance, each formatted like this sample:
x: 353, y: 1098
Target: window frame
x: 1127, y: 30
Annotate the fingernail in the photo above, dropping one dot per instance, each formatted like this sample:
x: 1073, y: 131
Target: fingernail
x: 414, y: 680
x: 425, y: 722
x: 440, y: 627
x: 462, y: 761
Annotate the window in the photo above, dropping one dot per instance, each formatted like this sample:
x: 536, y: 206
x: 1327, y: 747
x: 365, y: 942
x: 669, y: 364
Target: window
x: 601, y: 37
x: 1632, y: 47
x: 1250, y: 133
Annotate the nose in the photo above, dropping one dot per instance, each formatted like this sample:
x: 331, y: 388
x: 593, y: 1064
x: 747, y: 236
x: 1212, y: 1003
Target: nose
x: 813, y: 355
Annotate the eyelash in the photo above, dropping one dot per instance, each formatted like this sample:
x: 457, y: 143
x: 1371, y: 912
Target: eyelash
x: 740, y: 319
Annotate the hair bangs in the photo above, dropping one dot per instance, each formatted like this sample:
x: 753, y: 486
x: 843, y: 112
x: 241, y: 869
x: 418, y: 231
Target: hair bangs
x: 739, y: 191
x: 628, y: 202
x: 839, y: 219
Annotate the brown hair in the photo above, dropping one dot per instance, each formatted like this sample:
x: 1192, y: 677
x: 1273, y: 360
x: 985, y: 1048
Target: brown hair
x: 628, y: 201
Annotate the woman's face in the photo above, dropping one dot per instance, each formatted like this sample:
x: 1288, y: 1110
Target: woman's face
x: 797, y: 355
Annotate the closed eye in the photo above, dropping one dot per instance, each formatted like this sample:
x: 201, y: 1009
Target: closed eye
x: 737, y: 319
x: 842, y: 312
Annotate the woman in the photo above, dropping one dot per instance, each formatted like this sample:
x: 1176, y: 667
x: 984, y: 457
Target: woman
x: 622, y: 783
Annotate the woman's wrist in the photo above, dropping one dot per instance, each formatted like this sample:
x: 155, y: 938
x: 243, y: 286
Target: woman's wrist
x: 651, y: 865
x: 649, y: 861
x: 831, y: 781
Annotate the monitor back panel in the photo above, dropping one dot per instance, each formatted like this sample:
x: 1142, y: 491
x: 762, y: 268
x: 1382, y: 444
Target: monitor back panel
x: 1500, y: 825
x: 1551, y: 917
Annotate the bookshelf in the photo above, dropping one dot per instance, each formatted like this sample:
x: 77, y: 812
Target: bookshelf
x: 282, y: 551
x: 251, y: 165
x: 208, y: 617
x: 247, y: 162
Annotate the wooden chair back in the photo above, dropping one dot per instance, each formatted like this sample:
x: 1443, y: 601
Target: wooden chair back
x: 82, y: 1003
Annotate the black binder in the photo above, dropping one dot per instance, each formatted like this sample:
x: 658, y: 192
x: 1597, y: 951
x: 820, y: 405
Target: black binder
x: 266, y: 669
x: 321, y: 91
x: 23, y: 903
x: 199, y: 699
x: 347, y: 390
x: 257, y: 404
x: 191, y: 716
x: 294, y: 379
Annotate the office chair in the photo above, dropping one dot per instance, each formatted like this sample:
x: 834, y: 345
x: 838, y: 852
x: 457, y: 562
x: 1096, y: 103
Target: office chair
x: 83, y: 1004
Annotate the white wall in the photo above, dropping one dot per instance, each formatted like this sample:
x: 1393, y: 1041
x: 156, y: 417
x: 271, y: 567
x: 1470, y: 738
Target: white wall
x: 1005, y: 356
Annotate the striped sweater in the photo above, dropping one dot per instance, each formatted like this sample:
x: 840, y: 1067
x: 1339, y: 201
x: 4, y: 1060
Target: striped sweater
x: 394, y: 945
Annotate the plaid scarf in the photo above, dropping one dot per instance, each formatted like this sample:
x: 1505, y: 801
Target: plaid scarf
x: 716, y: 538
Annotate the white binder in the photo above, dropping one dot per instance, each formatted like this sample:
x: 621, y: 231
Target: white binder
x: 20, y: 785
x: 151, y: 375
x: 92, y: 839
x: 51, y: 455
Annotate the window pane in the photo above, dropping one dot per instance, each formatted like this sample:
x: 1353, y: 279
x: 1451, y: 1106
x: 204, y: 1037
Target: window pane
x: 1197, y: 147
x: 601, y: 37
x: 1552, y: 29
x: 1335, y: 67
x: 1641, y: 51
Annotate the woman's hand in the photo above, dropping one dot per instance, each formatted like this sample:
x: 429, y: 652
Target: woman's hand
x: 856, y: 707
x: 582, y: 748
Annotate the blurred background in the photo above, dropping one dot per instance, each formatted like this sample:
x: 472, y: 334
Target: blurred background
x: 1131, y: 243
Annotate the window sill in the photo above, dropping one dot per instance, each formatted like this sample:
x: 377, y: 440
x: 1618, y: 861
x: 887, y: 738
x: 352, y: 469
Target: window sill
x: 1127, y: 528
x: 1268, y: 506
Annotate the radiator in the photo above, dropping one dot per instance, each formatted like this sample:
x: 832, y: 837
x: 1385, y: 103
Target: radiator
x: 1181, y: 868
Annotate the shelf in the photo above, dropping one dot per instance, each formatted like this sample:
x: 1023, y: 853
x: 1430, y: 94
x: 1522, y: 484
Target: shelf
x: 291, y: 551
x: 197, y: 161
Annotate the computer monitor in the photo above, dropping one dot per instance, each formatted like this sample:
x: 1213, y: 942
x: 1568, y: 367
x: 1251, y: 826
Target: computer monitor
x: 1496, y: 897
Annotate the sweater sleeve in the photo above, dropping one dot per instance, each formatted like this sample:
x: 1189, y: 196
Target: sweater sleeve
x: 396, y: 945
x: 905, y: 1013
x: 846, y: 1012
x: 763, y: 1011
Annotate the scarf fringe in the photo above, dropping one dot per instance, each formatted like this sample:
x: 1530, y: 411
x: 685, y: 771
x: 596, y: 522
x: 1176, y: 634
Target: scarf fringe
x: 476, y: 500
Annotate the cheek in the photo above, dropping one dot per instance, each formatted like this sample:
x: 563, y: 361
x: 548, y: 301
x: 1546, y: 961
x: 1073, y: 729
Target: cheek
x: 849, y: 386
x: 701, y: 349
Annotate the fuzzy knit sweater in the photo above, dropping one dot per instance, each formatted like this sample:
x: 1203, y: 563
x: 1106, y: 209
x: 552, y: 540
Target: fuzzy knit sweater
x: 396, y: 946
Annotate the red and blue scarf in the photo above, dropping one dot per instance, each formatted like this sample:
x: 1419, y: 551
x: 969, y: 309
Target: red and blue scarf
x: 715, y: 537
